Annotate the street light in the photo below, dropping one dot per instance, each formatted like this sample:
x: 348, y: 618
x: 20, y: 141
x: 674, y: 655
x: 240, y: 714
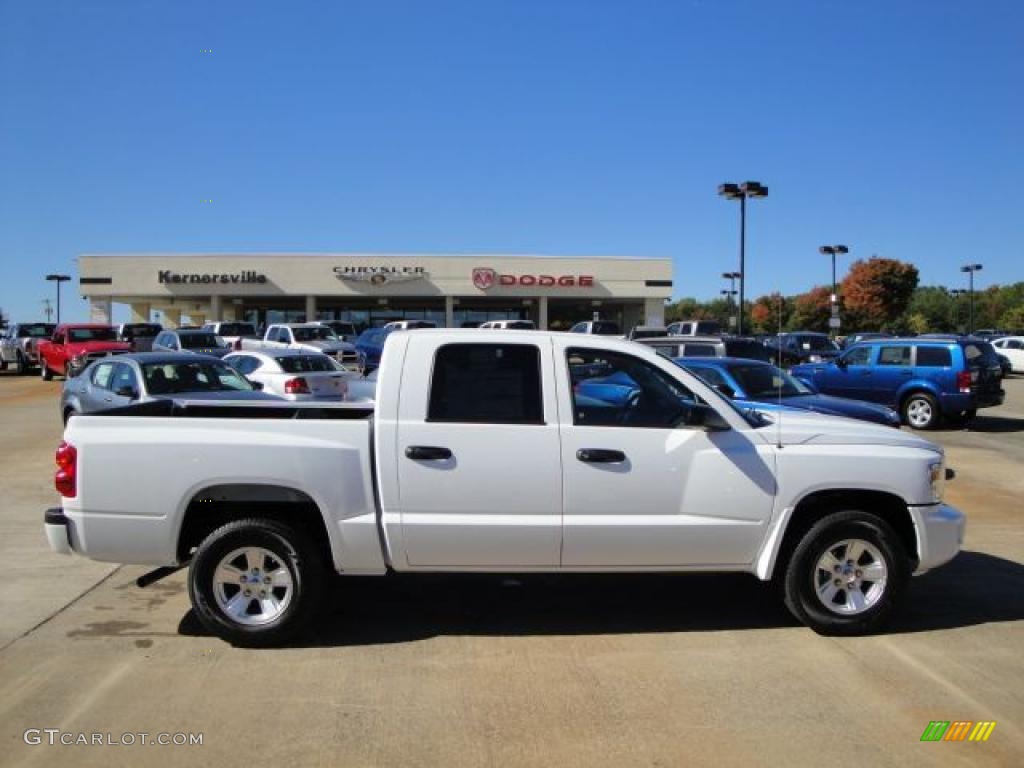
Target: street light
x: 731, y: 277
x: 58, y: 279
x: 832, y: 250
x: 970, y: 269
x: 956, y: 293
x: 741, y: 192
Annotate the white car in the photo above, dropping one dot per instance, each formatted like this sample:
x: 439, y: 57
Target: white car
x: 1013, y: 348
x: 504, y: 451
x: 293, y: 374
x: 409, y: 325
x: 509, y: 325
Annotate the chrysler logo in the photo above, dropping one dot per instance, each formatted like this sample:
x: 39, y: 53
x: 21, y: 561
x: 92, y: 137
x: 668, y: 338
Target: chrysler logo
x: 380, y: 275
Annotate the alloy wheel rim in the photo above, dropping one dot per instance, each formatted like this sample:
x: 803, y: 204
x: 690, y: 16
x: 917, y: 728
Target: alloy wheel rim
x: 850, y: 577
x: 252, y: 586
x: 919, y: 412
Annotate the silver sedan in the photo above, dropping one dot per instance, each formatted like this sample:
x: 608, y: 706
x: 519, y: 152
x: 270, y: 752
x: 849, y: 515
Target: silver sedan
x: 147, y: 376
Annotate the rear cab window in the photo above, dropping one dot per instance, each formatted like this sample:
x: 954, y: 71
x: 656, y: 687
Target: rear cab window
x: 486, y: 383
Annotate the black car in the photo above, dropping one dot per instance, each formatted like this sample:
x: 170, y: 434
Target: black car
x: 802, y: 347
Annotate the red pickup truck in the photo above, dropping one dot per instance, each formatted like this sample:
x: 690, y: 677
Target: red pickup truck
x: 74, y: 345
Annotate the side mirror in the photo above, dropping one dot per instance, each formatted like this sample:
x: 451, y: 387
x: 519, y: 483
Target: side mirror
x: 127, y: 391
x: 257, y: 385
x: 840, y: 361
x: 707, y: 418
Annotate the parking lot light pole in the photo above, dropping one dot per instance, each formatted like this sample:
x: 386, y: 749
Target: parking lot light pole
x: 956, y: 293
x: 970, y: 269
x: 58, y: 279
x: 732, y: 277
x: 832, y: 250
x: 741, y: 192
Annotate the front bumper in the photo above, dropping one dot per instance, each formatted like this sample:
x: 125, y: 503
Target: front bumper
x: 58, y: 535
x: 940, y: 534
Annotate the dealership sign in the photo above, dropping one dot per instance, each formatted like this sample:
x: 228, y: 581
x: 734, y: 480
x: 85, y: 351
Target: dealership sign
x: 485, y: 278
x: 380, y: 275
x: 224, y: 278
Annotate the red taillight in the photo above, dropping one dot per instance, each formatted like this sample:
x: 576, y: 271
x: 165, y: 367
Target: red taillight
x: 297, y: 386
x: 963, y: 381
x: 65, y: 481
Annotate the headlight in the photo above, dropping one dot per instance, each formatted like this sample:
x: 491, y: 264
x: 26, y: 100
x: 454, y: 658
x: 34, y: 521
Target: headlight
x: 937, y: 475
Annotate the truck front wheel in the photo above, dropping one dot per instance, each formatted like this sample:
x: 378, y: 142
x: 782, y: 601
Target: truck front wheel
x: 846, y: 574
x: 45, y: 372
x: 255, y: 582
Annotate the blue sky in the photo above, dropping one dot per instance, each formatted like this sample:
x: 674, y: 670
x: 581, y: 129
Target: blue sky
x: 573, y: 127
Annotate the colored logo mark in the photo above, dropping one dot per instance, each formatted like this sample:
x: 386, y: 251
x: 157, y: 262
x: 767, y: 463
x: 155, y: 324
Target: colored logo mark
x: 958, y: 730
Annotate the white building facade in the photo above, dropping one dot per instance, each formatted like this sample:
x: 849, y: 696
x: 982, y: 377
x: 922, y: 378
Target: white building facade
x: 369, y: 290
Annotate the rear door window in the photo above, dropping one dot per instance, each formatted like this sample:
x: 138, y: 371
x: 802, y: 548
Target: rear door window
x: 934, y: 357
x: 894, y: 355
x: 486, y: 383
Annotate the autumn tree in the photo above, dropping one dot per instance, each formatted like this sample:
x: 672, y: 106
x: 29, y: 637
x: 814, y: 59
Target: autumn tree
x: 764, y: 313
x: 877, y: 292
x: 811, y: 310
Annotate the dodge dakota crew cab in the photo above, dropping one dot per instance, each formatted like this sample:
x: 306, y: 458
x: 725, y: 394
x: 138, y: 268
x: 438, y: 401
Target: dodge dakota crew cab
x: 481, y: 454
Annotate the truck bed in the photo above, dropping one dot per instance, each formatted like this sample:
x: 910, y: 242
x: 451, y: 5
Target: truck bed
x: 227, y: 409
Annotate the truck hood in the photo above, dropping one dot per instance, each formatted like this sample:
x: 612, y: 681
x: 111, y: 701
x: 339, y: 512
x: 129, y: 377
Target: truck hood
x: 807, y: 428
x: 84, y: 347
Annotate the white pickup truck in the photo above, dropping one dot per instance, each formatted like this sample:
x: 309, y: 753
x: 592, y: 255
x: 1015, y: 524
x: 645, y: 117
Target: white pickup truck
x: 308, y: 337
x: 504, y: 451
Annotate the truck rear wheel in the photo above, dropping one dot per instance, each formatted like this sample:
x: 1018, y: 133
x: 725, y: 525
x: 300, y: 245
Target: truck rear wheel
x: 256, y: 582
x: 846, y: 574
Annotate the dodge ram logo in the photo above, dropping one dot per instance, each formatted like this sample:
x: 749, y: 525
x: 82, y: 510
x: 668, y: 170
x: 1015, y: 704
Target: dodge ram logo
x: 484, y: 277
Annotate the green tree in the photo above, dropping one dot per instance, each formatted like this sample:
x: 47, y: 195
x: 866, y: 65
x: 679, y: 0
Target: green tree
x: 935, y: 304
x: 918, y: 323
x: 1013, y: 319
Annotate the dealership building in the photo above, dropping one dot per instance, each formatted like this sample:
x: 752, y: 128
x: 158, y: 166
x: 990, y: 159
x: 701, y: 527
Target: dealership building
x: 369, y: 290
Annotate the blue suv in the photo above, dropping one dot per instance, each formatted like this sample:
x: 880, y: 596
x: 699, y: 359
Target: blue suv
x: 925, y: 380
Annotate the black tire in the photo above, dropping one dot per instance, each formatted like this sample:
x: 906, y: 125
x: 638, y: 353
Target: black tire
x: 290, y: 547
x: 802, y: 574
x: 21, y: 365
x: 921, y: 411
x: 45, y: 372
x: 3, y: 365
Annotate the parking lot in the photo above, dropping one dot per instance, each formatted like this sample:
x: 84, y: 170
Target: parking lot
x: 492, y: 670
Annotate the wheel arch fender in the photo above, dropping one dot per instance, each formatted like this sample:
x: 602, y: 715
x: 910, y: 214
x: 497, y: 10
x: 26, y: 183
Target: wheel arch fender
x: 794, y: 521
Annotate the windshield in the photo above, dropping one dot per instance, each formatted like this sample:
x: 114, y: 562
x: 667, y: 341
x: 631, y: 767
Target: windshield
x: 201, y: 376
x: 92, y: 334
x: 200, y: 341
x: 36, y: 331
x: 316, y: 333
x: 306, y: 363
x: 760, y: 381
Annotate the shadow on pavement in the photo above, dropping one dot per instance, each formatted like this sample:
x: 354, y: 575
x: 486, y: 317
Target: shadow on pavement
x: 974, y: 589
x: 996, y: 424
